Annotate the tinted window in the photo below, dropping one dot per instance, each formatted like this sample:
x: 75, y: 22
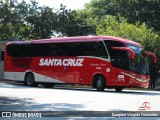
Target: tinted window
x: 95, y: 49
x: 58, y: 49
x: 14, y: 50
x: 75, y: 49
x: 30, y: 50
x: 119, y: 58
x: 39, y: 49
x: 20, y: 50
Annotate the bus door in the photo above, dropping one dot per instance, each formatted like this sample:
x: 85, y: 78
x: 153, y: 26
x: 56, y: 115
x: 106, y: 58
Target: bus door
x: 120, y: 63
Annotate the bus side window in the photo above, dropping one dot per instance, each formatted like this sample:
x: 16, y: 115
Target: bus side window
x: 61, y: 49
x: 38, y: 50
x: 118, y: 58
x: 48, y: 49
x: 75, y: 49
x: 96, y: 49
x: 14, y: 50
x: 53, y: 50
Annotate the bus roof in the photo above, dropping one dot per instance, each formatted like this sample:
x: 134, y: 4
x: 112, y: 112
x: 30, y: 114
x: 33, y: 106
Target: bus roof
x: 76, y: 39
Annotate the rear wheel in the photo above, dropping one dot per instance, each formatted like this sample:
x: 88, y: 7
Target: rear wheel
x: 119, y: 89
x: 100, y: 83
x: 29, y: 80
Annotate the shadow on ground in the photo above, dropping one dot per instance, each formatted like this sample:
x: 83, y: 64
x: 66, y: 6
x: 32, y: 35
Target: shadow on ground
x: 15, y: 104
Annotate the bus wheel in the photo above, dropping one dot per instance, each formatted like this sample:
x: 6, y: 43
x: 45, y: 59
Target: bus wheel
x: 48, y: 85
x: 29, y: 80
x: 118, y: 89
x: 100, y: 83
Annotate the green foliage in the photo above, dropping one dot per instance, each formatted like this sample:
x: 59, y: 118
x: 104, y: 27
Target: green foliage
x: 118, y: 26
x: 147, y: 11
x: 34, y: 22
x: 73, y: 23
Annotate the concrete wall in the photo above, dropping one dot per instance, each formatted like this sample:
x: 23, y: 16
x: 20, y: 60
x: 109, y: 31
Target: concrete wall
x: 2, y: 47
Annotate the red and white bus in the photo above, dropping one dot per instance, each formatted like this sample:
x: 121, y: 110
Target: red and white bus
x: 100, y: 61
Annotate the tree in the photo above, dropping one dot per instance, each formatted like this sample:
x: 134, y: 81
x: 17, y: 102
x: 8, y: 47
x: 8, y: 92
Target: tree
x: 118, y: 26
x: 71, y: 23
x: 5, y: 18
x: 133, y: 10
x: 27, y: 20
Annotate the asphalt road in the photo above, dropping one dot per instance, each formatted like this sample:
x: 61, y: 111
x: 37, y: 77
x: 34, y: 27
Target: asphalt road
x: 17, y: 97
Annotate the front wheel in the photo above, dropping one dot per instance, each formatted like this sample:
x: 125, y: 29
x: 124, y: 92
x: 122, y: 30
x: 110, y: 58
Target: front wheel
x: 29, y: 80
x: 100, y: 83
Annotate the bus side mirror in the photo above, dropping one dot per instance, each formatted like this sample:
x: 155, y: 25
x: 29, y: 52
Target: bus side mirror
x: 153, y: 55
x: 127, y: 49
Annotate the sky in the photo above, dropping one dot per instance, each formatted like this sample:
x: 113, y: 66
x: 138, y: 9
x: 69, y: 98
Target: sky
x: 70, y: 4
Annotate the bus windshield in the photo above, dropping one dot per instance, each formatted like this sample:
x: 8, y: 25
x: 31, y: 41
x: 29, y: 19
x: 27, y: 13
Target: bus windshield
x: 121, y: 59
x: 140, y: 63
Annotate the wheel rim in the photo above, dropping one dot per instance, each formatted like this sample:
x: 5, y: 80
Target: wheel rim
x: 29, y: 80
x: 99, y: 84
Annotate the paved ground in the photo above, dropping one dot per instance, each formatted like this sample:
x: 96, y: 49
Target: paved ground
x: 16, y: 97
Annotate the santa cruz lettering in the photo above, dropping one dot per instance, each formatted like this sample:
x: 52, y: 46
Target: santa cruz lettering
x: 61, y: 62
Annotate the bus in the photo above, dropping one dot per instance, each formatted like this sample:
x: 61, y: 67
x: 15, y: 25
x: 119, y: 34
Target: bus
x: 98, y: 61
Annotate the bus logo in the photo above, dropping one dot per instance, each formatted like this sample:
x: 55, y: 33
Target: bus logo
x: 61, y: 62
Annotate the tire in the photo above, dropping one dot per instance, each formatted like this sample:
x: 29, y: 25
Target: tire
x: 29, y: 80
x: 118, y: 89
x: 100, y: 83
x: 48, y: 85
